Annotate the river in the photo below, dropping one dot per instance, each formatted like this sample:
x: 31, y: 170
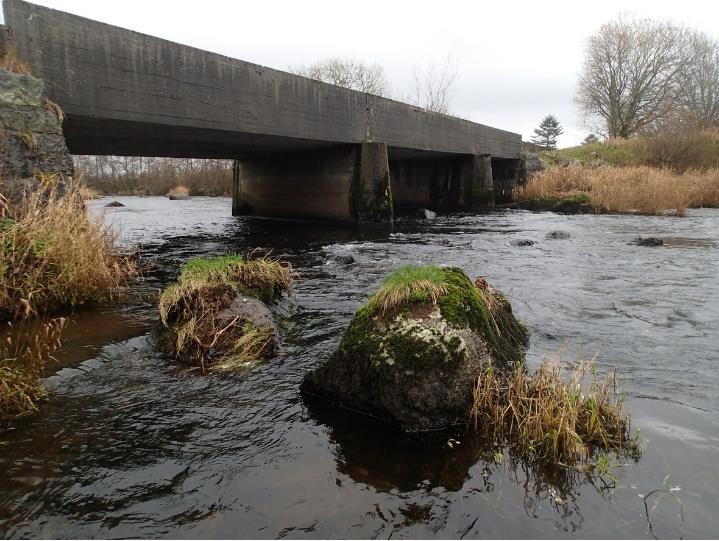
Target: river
x: 132, y: 444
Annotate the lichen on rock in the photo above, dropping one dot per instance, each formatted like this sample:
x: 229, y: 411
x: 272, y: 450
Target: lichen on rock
x: 411, y: 356
x: 216, y: 315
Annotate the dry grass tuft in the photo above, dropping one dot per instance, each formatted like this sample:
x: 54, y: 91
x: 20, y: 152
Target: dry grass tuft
x: 10, y: 62
x: 54, y: 254
x: 552, y: 419
x: 23, y: 356
x: 179, y: 191
x: 254, y: 343
x: 408, y: 284
x: 641, y: 189
x: 88, y: 194
x: 191, y: 308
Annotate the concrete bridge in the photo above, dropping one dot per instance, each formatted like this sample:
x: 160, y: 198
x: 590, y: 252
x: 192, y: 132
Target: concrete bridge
x: 302, y: 148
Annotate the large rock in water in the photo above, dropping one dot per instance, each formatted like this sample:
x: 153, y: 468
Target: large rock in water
x: 416, y: 363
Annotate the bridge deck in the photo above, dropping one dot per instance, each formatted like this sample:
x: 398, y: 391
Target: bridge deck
x: 128, y: 93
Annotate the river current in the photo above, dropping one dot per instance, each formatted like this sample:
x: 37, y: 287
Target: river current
x: 132, y: 444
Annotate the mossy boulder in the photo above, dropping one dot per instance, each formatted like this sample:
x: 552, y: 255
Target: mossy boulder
x: 216, y: 315
x: 412, y: 355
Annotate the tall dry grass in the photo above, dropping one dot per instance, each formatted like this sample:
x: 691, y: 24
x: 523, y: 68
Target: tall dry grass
x: 55, y: 254
x: 24, y: 354
x: 551, y: 417
x: 643, y: 189
x: 10, y: 62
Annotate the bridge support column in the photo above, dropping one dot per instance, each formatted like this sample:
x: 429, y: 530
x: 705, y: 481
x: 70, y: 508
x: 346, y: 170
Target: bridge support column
x: 348, y: 183
x: 482, y: 182
x: 371, y: 200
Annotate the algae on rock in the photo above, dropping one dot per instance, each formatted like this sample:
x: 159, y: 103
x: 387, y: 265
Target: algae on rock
x: 215, y: 314
x: 412, y: 355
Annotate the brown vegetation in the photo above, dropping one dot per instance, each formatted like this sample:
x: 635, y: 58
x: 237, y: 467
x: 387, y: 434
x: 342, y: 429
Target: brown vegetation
x: 54, y: 254
x: 10, y: 62
x: 179, y: 191
x: 642, y: 189
x: 192, y: 309
x: 23, y: 357
x: 132, y: 175
x: 544, y: 416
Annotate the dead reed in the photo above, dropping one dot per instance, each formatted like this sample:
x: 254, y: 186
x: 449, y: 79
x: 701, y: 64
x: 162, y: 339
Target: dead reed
x: 24, y: 354
x: 54, y: 254
x: 641, y: 189
x: 548, y: 417
x: 10, y: 62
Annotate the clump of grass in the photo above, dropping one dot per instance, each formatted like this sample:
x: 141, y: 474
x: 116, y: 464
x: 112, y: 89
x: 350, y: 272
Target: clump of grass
x: 179, y: 191
x: 10, y: 62
x: 461, y: 303
x: 88, y: 193
x: 646, y: 190
x: 191, y: 308
x: 253, y: 344
x: 54, y: 254
x: 23, y: 357
x: 408, y: 284
x: 548, y: 417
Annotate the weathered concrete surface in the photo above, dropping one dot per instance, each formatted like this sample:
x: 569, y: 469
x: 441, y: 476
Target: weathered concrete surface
x: 309, y: 184
x: 128, y: 93
x: 31, y: 140
x: 442, y: 183
x: 343, y: 184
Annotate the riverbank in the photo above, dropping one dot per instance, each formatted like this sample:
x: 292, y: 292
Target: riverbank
x: 578, y: 188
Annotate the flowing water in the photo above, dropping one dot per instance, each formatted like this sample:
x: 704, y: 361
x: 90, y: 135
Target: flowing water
x: 131, y: 444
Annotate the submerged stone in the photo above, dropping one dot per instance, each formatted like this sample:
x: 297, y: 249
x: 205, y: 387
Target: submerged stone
x: 113, y: 204
x: 415, y: 364
x: 557, y: 235
x: 523, y: 242
x: 647, y: 241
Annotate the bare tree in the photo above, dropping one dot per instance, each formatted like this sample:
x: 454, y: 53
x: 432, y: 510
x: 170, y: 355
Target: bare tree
x: 631, y: 74
x: 348, y: 73
x: 432, y: 86
x: 699, y: 96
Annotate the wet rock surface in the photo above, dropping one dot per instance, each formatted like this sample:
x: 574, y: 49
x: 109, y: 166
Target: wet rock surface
x: 32, y: 143
x: 647, y: 241
x: 416, y: 367
x: 522, y: 242
x: 557, y: 235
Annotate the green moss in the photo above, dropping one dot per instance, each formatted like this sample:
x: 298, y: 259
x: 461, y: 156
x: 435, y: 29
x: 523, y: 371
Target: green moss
x: 413, y: 345
x: 461, y: 304
x: 576, y: 199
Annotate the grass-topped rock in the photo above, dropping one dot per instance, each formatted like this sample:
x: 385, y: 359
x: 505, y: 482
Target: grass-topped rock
x: 412, y: 355
x: 216, y: 313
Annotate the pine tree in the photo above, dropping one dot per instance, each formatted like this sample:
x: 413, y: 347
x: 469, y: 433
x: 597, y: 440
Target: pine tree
x: 547, y: 132
x: 590, y: 139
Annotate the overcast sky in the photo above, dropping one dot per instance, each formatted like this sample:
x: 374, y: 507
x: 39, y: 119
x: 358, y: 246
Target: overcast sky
x: 518, y: 61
